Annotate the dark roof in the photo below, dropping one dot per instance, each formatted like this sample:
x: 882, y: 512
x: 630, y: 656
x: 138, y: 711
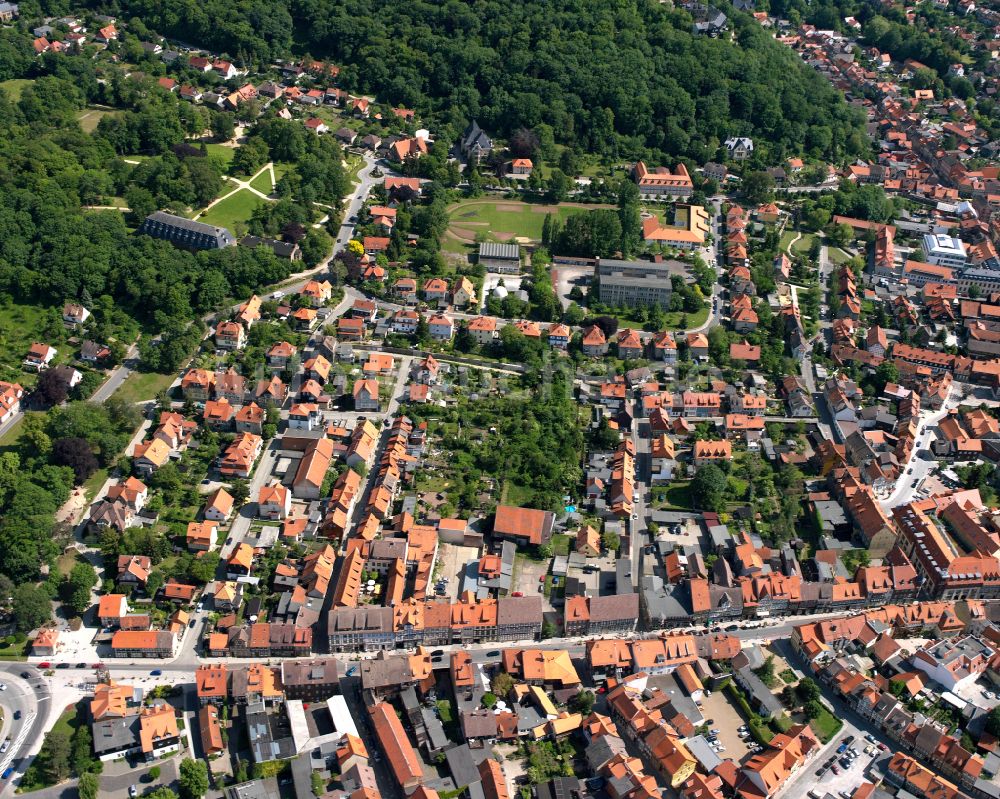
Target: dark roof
x: 111, y: 735
x: 309, y: 672
x: 475, y: 135
x: 490, y: 249
x: 381, y: 672
x: 269, y: 734
x: 282, y: 249
x: 366, y: 619
x: 184, y: 224
x: 614, y: 607
x: 519, y: 610
x: 479, y: 723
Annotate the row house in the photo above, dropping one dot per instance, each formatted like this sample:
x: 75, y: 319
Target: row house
x: 425, y: 622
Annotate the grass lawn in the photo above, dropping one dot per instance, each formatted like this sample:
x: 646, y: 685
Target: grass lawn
x: 263, y: 182
x: 506, y: 219
x: 16, y: 651
x: 679, y: 495
x: 355, y: 163
x: 514, y: 494
x: 94, y: 483
x: 10, y: 439
x: 37, y: 774
x: 280, y: 170
x: 676, y: 320
x: 801, y: 247
x: 826, y: 725
x: 445, y: 711
x: 786, y: 239
x: 15, y: 88
x: 693, y: 319
x: 838, y: 256
x: 141, y: 386
x: 90, y: 117
x: 456, y: 247
x: 66, y: 562
x: 560, y: 544
x: 22, y: 325
x: 221, y: 152
x: 234, y: 210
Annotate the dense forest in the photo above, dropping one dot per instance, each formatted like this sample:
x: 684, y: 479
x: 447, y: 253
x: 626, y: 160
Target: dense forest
x: 52, y: 249
x: 620, y: 79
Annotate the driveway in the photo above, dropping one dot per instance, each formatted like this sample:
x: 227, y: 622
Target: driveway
x: 566, y: 277
x: 117, y: 777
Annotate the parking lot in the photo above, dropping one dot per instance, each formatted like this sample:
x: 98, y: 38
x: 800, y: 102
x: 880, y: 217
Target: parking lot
x: 981, y: 693
x: 527, y: 573
x: 849, y: 778
x: 685, y: 534
x: 726, y: 719
x: 454, y: 560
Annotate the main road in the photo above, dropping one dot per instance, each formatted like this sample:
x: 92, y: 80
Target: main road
x: 30, y: 700
x: 180, y: 668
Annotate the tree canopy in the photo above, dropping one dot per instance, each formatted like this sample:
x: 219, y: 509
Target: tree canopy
x: 619, y: 79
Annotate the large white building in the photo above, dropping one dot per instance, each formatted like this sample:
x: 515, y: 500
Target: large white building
x: 956, y: 663
x: 944, y: 250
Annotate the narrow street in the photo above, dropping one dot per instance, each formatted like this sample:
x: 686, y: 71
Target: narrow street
x: 916, y: 470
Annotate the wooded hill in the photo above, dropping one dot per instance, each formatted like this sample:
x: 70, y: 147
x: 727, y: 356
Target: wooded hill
x: 621, y: 79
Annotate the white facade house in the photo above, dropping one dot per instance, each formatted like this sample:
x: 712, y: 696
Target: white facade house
x: 944, y: 250
x: 956, y: 663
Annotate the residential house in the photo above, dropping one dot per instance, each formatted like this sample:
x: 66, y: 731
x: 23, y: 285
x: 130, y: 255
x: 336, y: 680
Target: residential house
x: 366, y: 395
x: 440, y: 327
x: 483, y: 329
x: 274, y: 502
x: 219, y: 506
x: 595, y: 343
x: 39, y: 356
x: 202, y: 536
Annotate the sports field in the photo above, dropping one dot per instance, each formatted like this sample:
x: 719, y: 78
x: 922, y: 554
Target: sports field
x: 505, y: 220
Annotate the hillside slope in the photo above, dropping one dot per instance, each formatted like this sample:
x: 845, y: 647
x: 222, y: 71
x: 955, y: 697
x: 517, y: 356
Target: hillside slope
x: 624, y: 78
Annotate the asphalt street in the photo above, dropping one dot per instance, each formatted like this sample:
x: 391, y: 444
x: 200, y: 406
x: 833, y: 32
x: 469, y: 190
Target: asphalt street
x: 30, y: 698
